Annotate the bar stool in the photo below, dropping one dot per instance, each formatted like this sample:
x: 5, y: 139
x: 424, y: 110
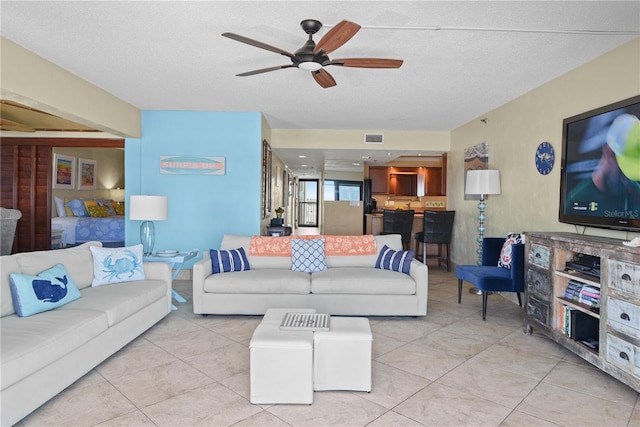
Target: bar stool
x: 398, y: 222
x: 436, y: 228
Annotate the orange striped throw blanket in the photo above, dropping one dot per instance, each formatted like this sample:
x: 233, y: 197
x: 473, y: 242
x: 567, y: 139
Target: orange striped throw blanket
x: 333, y: 245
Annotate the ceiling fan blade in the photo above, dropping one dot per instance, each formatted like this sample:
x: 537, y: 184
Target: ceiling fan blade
x: 15, y: 126
x: 367, y: 62
x: 323, y: 78
x: 256, y: 43
x: 265, y: 70
x: 337, y: 36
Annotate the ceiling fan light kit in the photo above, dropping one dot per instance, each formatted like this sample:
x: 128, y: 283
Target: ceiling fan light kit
x: 314, y: 57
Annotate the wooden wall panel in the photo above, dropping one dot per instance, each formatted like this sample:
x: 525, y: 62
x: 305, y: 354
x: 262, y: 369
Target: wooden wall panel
x: 26, y: 180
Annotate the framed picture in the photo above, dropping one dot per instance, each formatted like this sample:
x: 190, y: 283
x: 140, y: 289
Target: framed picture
x: 86, y: 174
x: 266, y: 179
x: 64, y: 171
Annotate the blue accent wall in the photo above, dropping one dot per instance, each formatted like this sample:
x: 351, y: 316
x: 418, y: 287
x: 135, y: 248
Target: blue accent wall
x: 202, y: 208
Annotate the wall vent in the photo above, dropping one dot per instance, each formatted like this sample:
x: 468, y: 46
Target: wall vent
x: 373, y: 138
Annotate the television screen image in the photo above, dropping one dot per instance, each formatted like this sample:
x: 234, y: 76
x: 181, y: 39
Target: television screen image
x: 601, y: 167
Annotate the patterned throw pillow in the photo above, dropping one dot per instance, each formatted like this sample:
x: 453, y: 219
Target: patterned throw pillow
x: 400, y: 261
x: 50, y: 289
x: 308, y: 255
x: 116, y: 265
x: 77, y: 207
x: 119, y: 207
x: 505, y: 254
x: 97, y: 211
x: 228, y: 261
x: 108, y: 206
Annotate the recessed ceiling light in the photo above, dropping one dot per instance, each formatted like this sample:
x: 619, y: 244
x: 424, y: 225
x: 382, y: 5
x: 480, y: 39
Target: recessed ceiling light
x: 304, y: 166
x: 388, y: 154
x: 355, y: 164
x: 366, y: 157
x: 302, y: 157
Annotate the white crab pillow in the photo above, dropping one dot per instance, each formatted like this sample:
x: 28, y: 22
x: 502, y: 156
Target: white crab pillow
x: 116, y: 265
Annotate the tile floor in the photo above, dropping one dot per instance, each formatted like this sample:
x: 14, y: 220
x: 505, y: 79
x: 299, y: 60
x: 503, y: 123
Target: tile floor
x: 447, y: 369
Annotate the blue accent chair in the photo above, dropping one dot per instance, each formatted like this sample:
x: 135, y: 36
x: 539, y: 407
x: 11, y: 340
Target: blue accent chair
x: 488, y: 277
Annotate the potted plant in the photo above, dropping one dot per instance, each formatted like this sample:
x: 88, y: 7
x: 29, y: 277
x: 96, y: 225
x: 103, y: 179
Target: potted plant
x: 278, y: 221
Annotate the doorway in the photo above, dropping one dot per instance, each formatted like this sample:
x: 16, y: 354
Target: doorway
x: 308, y: 203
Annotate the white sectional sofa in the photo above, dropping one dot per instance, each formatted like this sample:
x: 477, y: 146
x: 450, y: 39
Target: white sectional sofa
x: 351, y: 285
x: 44, y: 353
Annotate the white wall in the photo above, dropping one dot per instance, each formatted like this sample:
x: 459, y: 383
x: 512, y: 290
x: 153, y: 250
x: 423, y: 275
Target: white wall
x: 530, y: 201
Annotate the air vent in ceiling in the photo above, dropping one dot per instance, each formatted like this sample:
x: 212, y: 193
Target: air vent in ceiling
x: 373, y: 138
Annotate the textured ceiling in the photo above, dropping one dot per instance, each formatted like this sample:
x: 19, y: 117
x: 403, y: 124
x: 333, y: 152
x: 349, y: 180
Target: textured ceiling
x: 170, y: 55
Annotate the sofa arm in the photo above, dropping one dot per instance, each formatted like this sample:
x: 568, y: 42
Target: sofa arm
x: 419, y: 272
x: 157, y: 271
x: 201, y: 270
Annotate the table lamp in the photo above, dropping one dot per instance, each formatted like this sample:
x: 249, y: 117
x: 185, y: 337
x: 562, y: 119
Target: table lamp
x: 482, y: 182
x: 148, y: 209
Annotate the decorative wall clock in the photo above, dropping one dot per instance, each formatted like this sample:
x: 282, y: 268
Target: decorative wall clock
x: 545, y: 158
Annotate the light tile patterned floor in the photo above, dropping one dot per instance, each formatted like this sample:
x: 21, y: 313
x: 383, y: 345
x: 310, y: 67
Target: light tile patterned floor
x: 447, y: 369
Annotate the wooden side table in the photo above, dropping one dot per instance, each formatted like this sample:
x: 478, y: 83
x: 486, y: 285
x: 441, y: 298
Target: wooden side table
x: 279, y: 231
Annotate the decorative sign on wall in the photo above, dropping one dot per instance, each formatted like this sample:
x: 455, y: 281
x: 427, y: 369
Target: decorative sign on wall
x: 475, y: 157
x: 192, y: 165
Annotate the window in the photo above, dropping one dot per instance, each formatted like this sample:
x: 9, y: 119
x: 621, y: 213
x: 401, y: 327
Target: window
x: 342, y: 190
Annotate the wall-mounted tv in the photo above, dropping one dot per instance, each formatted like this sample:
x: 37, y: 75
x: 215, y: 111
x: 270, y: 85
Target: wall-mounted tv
x: 600, y: 168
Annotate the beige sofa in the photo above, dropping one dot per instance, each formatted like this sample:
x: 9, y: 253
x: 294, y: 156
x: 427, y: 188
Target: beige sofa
x: 44, y: 353
x: 350, y: 286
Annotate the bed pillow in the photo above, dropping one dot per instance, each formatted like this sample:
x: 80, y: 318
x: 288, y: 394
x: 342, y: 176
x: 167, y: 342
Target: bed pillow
x: 506, y: 254
x: 49, y: 289
x: 308, y: 255
x: 117, y: 265
x: 108, y: 205
x: 119, y: 207
x: 227, y: 261
x: 60, y: 209
x: 400, y: 261
x: 77, y: 207
x: 97, y: 211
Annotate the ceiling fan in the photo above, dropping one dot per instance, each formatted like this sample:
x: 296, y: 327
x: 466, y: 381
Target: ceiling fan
x: 314, y: 57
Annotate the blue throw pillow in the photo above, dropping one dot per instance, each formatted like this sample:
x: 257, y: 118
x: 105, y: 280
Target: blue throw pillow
x: 48, y: 290
x: 308, y: 255
x: 77, y: 207
x: 117, y: 265
x: 400, y: 261
x: 227, y: 261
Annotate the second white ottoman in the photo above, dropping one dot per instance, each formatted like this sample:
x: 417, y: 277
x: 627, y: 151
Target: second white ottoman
x: 342, y: 356
x: 280, y: 365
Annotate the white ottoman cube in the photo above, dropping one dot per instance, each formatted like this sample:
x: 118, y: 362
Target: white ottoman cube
x: 342, y: 356
x: 281, y: 365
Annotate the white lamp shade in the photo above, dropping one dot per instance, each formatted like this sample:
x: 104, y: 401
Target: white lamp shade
x: 482, y: 181
x: 148, y: 208
x: 117, y: 194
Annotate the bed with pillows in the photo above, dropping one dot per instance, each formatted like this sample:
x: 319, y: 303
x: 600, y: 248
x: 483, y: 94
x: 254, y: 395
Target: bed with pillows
x: 339, y: 275
x: 88, y: 220
x: 64, y: 311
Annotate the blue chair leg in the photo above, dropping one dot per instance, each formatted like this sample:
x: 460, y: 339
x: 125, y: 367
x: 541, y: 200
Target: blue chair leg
x: 484, y: 305
x: 459, y: 290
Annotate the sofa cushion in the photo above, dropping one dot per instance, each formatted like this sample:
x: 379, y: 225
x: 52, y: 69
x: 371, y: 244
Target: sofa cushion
x: 225, y: 261
x: 75, y: 260
x: 50, y: 289
x: 120, y: 300
x: 388, y: 259
x: 117, y: 265
x: 31, y: 343
x: 265, y: 281
x: 308, y: 255
x: 361, y: 280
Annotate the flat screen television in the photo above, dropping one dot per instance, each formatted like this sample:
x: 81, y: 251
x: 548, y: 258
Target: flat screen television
x: 600, y: 167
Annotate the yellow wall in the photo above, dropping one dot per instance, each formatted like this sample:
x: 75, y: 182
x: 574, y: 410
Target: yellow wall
x: 530, y: 201
x: 35, y: 82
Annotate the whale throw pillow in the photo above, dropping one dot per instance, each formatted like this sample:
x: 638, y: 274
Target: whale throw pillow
x: 49, y: 289
x: 116, y: 265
